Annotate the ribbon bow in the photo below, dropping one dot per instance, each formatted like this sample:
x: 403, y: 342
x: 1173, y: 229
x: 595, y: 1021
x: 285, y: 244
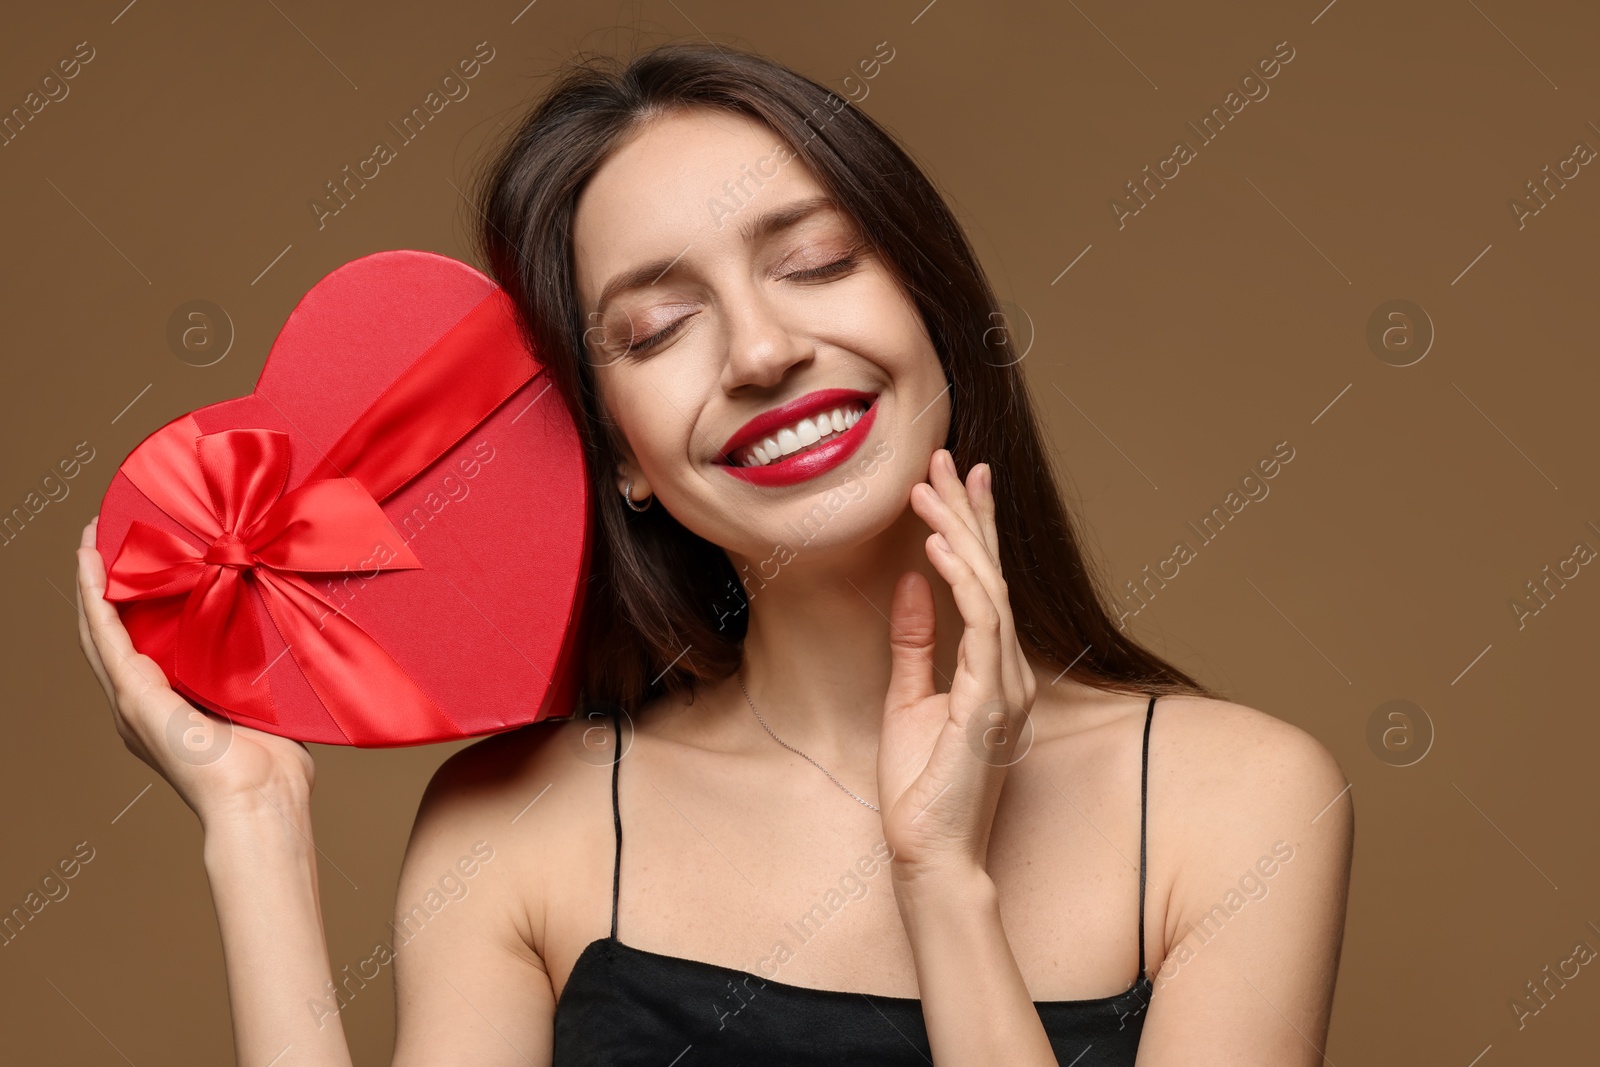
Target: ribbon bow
x: 227, y: 489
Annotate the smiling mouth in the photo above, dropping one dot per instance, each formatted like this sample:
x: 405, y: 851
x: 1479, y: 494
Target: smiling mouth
x: 800, y: 436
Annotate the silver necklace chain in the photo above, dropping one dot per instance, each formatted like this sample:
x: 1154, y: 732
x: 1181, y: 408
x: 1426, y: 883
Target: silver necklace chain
x: 796, y: 751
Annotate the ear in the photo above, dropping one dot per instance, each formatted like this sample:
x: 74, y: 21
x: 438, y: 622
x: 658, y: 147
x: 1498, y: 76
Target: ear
x: 627, y: 472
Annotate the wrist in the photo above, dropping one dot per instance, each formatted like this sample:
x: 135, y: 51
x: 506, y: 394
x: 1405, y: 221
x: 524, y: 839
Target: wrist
x: 270, y: 819
x: 940, y: 895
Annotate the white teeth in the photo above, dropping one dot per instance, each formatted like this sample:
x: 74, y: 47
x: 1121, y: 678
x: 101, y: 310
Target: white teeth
x: 791, y: 439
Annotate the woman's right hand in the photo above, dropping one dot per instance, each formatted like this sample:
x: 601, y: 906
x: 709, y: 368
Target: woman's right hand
x: 215, y: 765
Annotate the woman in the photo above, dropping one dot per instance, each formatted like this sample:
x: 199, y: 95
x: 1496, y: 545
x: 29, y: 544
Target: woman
x: 895, y: 787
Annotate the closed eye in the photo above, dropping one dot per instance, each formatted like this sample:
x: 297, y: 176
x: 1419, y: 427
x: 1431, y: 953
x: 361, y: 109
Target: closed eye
x: 827, y: 270
x: 655, y: 338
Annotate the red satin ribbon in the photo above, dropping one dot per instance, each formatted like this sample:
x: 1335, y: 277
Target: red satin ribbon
x: 227, y: 489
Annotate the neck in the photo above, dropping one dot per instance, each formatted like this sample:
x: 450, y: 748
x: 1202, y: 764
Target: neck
x: 816, y: 652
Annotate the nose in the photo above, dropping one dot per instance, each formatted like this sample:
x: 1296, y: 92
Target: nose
x: 762, y: 342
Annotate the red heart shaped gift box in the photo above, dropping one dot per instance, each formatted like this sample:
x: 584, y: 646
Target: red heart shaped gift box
x: 386, y: 543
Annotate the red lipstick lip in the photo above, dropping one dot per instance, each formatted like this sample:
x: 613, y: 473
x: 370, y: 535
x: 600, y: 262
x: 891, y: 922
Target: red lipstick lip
x: 770, y: 422
x: 802, y: 466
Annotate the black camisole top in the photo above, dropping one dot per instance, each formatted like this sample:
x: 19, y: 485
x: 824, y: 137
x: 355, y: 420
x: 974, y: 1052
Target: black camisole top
x: 625, y: 1006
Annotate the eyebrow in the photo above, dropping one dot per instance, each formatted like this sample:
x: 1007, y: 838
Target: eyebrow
x: 764, y: 225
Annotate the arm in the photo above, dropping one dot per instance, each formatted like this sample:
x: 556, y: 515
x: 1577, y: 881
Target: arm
x: 1263, y: 847
x: 470, y: 990
x: 263, y: 872
x: 942, y: 761
x: 1261, y: 828
x: 252, y: 792
x: 976, y: 1006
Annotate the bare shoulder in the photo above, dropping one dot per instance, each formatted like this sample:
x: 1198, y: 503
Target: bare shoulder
x: 1247, y: 805
x: 529, y: 796
x: 1241, y: 769
x: 501, y: 821
x: 1252, y: 825
x: 480, y: 778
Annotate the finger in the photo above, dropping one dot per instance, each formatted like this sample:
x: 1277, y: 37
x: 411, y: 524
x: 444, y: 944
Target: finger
x: 980, y: 491
x: 110, y: 638
x: 911, y: 638
x: 936, y: 510
x: 981, y: 641
x: 85, y: 638
x: 938, y: 514
x: 85, y: 541
x: 942, y: 518
x: 946, y: 481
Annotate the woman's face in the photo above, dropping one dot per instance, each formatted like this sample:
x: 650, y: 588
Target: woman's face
x: 718, y: 284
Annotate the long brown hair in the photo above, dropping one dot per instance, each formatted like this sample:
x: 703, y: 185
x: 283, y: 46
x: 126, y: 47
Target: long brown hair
x: 664, y: 608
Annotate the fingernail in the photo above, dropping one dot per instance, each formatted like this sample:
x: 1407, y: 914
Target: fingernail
x: 988, y: 482
x: 940, y: 543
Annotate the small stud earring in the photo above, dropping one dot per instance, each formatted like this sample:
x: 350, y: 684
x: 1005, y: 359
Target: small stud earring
x: 627, y: 494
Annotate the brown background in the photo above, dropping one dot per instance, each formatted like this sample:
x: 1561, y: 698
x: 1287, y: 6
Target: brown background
x: 1176, y: 352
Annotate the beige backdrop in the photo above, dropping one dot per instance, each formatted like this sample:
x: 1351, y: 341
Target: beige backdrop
x: 1443, y: 454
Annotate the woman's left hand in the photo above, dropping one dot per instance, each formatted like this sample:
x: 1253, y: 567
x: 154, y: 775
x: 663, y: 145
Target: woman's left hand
x: 943, y: 757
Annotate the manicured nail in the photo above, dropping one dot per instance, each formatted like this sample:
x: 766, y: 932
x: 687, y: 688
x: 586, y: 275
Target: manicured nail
x: 940, y: 543
x: 988, y: 481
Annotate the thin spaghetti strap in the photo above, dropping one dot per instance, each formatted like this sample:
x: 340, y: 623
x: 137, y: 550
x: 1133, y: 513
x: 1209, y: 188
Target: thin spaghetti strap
x: 1144, y: 789
x: 616, y: 817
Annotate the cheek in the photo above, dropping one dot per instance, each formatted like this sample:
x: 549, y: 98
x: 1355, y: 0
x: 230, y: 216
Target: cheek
x: 892, y: 334
x: 876, y: 321
x: 651, y: 404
